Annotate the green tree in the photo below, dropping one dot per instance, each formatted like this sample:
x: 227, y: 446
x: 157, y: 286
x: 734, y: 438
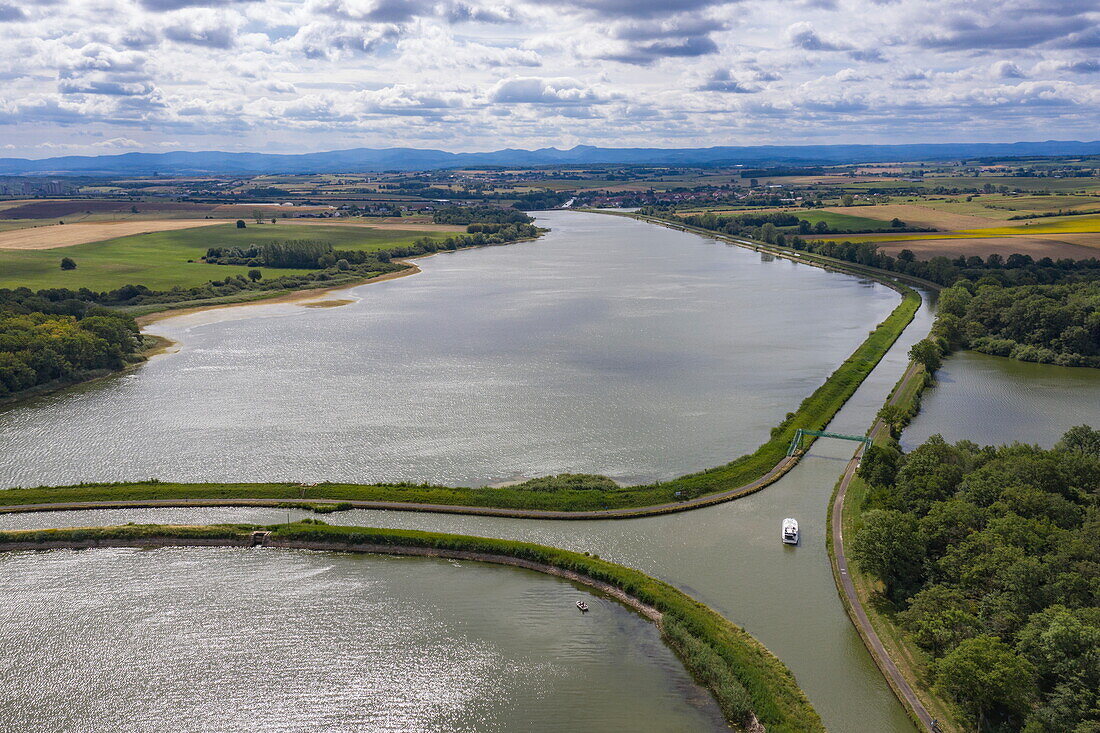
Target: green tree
x: 343, y: 264
x: 847, y: 199
x: 767, y: 232
x: 939, y: 619
x: 889, y: 547
x: 894, y: 417
x: 15, y: 375
x: 928, y: 353
x: 254, y: 275
x: 67, y: 263
x: 954, y: 300
x: 1064, y: 645
x: 240, y: 224
x: 879, y: 465
x: 1082, y: 439
x: 986, y: 678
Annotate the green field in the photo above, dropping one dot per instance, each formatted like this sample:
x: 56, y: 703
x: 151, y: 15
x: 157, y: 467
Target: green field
x: 159, y: 260
x: 844, y: 222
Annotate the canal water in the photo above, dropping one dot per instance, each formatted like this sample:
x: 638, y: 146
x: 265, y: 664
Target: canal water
x: 238, y: 640
x: 602, y: 376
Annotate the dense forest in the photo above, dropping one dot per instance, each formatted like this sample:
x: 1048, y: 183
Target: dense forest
x: 479, y: 214
x: 1050, y: 324
x: 990, y: 559
x: 39, y: 348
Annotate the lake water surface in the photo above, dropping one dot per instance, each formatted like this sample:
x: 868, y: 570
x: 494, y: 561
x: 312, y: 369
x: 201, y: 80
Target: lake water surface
x: 200, y: 639
x: 991, y: 400
x: 609, y: 346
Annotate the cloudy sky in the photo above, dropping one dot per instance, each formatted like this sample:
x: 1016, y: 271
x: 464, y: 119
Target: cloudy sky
x: 108, y: 76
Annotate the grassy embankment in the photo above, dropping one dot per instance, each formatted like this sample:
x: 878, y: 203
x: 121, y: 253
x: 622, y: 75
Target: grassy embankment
x: 159, y: 260
x: 910, y: 660
x: 746, y: 679
x: 571, y: 495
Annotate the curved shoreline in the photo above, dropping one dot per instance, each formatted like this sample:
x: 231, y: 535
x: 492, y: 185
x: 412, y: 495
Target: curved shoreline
x: 295, y: 296
x: 752, y: 686
x: 292, y: 296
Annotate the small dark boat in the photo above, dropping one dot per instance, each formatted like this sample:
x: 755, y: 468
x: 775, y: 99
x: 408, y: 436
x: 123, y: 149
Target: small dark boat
x: 583, y: 606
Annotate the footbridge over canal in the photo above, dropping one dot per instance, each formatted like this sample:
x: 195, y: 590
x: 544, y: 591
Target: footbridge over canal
x: 801, y: 433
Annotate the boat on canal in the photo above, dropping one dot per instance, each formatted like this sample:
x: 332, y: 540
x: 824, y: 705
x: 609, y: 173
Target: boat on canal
x: 790, y: 531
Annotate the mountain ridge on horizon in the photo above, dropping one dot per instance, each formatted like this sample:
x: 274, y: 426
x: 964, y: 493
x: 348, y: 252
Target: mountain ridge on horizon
x: 363, y: 160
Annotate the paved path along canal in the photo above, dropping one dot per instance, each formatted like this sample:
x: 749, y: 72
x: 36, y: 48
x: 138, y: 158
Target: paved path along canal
x: 844, y: 578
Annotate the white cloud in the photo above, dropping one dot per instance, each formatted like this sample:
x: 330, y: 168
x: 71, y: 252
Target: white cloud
x: 477, y: 74
x: 117, y: 143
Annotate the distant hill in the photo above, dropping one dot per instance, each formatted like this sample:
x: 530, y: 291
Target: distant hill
x: 359, y: 160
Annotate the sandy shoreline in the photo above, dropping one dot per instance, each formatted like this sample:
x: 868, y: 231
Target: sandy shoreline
x: 298, y: 296
x: 295, y: 296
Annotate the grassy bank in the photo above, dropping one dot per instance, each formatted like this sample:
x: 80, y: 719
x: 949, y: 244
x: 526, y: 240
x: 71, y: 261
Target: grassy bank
x: 747, y: 680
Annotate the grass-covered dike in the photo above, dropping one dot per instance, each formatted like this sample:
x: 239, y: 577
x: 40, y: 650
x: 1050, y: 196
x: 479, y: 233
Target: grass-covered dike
x: 751, y: 685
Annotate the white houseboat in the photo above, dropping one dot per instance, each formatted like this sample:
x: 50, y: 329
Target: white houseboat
x: 790, y: 531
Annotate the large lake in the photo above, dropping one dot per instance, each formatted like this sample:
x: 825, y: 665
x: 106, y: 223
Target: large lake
x: 608, y: 346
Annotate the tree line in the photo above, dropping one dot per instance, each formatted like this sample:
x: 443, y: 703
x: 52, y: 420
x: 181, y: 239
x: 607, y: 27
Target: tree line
x: 768, y: 226
x: 1049, y: 324
x: 479, y: 214
x: 291, y: 253
x: 990, y: 560
x: 39, y: 348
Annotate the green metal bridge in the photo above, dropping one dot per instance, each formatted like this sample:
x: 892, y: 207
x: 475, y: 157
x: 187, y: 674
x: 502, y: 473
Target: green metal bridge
x: 796, y: 444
